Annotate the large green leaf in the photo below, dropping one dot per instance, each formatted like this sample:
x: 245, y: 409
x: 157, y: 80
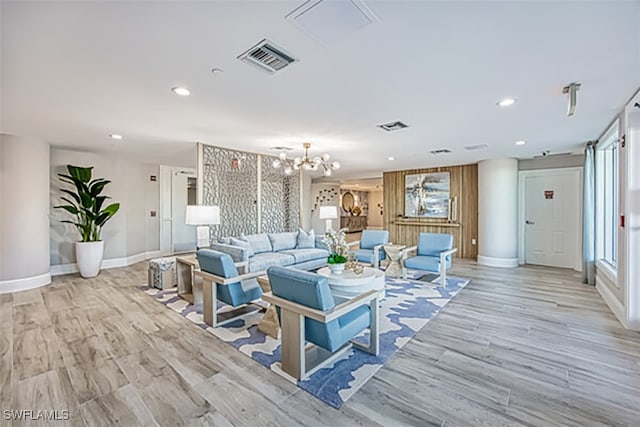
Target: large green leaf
x: 96, y: 188
x: 87, y: 201
x: 80, y: 173
x: 69, y: 208
x: 72, y: 194
x: 88, y: 211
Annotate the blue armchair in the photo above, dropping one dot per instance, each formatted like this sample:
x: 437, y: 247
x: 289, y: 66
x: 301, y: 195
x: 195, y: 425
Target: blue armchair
x: 308, y: 312
x: 434, y: 252
x: 221, y: 281
x: 371, y: 247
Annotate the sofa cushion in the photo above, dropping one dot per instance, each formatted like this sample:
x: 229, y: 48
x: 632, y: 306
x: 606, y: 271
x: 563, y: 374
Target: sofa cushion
x: 259, y: 242
x: 282, y: 241
x: 224, y: 240
x: 238, y: 254
x: 243, y: 244
x: 427, y: 263
x: 306, y: 240
x: 264, y: 260
x: 302, y: 255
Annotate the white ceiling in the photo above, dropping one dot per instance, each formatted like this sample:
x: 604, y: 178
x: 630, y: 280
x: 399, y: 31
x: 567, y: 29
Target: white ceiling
x: 74, y: 72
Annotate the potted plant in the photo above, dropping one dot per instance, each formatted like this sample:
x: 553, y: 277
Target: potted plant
x: 86, y: 205
x: 338, y: 249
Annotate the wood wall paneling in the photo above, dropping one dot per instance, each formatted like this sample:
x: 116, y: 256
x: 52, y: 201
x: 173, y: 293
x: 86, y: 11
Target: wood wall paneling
x: 463, y: 185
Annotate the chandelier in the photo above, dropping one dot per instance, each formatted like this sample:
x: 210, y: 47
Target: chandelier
x: 306, y: 163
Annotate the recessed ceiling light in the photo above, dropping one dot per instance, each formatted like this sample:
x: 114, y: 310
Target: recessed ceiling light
x: 182, y: 91
x: 116, y: 136
x: 506, y: 102
x: 391, y: 158
x: 217, y: 70
x: 521, y: 142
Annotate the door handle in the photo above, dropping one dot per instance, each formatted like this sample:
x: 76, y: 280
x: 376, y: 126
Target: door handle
x: 529, y: 222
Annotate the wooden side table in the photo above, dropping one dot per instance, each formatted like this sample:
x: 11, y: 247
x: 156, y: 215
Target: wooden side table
x: 189, y: 287
x: 394, y: 255
x: 269, y: 324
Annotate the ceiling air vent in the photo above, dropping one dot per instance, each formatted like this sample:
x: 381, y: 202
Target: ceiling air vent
x: 389, y: 127
x: 267, y: 57
x: 476, y: 147
x: 440, y: 151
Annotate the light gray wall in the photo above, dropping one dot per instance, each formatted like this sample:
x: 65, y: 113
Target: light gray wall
x: 132, y: 230
x: 551, y: 162
x: 24, y: 207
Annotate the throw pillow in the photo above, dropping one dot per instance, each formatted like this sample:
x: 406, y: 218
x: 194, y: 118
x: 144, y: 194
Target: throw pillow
x: 283, y: 241
x: 259, y: 242
x: 306, y: 240
x: 243, y: 244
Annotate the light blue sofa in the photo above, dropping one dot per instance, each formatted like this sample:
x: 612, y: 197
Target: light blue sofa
x: 289, y: 249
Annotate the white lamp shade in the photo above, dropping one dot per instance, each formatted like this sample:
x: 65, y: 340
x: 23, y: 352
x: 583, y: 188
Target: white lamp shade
x: 202, y: 215
x: 328, y: 212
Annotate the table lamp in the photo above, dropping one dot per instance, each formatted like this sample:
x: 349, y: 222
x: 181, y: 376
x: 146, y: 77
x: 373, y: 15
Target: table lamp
x: 328, y: 213
x: 202, y: 216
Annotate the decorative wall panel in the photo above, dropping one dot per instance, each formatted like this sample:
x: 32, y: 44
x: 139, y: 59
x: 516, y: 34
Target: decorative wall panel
x: 251, y: 199
x: 279, y: 199
x: 463, y: 188
x: 231, y: 182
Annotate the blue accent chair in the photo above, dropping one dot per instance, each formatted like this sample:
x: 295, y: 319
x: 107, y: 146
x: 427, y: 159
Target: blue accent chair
x: 221, y: 281
x: 433, y: 254
x: 371, y: 247
x: 309, y: 313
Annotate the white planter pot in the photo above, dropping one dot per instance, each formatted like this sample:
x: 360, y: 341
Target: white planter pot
x: 89, y: 258
x: 336, y: 268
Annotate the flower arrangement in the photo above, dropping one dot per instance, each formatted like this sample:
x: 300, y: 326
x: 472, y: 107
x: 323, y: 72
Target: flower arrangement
x: 337, y: 244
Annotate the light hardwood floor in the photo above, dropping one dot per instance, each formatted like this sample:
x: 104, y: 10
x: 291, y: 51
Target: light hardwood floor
x: 528, y: 346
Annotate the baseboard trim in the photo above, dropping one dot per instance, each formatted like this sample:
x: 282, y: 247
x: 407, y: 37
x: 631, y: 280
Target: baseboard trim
x: 17, y: 285
x: 58, y: 270
x: 615, y: 305
x: 497, y: 262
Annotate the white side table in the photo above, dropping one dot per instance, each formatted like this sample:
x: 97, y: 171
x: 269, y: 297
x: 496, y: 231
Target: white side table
x: 349, y: 285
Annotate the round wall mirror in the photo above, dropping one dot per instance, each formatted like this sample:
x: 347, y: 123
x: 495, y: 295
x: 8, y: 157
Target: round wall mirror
x: 347, y: 201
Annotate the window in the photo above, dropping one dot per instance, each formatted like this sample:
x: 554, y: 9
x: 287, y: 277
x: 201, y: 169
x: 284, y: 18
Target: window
x: 607, y: 196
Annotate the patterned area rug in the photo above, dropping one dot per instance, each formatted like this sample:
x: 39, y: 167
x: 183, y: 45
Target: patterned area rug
x: 408, y: 306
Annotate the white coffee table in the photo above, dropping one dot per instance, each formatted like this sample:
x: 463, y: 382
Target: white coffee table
x: 349, y: 285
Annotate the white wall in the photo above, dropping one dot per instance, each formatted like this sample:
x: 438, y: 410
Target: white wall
x: 132, y: 231
x: 552, y: 162
x: 621, y: 291
x: 24, y: 209
x: 498, y: 212
x: 324, y: 194
x: 305, y: 201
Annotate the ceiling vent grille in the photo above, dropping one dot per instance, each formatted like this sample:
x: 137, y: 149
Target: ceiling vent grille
x: 391, y: 126
x: 476, y: 147
x: 267, y: 57
x: 440, y: 151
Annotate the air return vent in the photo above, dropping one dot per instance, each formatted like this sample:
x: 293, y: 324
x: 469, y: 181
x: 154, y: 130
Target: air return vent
x: 391, y: 126
x: 267, y: 57
x: 440, y: 151
x: 476, y: 147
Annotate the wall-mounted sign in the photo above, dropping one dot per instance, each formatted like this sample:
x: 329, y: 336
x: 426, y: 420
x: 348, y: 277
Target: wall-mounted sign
x: 548, y: 194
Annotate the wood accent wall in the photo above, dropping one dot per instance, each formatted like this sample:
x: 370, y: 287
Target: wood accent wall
x: 464, y: 185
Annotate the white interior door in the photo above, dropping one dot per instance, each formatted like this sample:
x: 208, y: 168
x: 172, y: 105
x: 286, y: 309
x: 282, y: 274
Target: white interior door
x: 553, y: 218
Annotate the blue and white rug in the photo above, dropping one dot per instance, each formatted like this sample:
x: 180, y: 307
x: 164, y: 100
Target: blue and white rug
x: 408, y: 306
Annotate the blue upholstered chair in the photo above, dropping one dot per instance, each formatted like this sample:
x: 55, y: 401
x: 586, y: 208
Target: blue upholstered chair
x: 221, y: 281
x: 309, y: 313
x: 371, y: 246
x: 433, y: 254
